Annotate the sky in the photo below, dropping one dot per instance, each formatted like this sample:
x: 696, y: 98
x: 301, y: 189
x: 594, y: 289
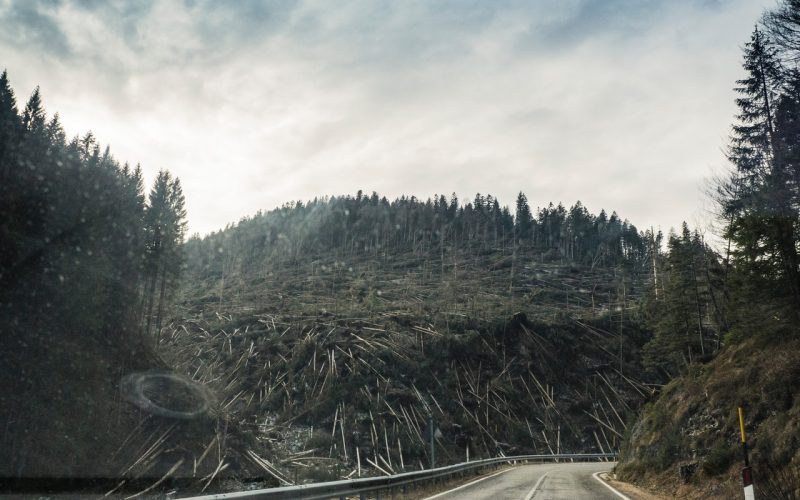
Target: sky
x: 624, y: 105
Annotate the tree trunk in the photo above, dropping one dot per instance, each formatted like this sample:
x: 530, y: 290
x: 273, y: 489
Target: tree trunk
x: 699, y: 310
x: 152, y: 288
x: 161, y: 304
x: 790, y: 258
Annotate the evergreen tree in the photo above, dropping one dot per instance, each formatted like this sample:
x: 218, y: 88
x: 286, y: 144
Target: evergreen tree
x: 33, y: 118
x: 681, y: 314
x: 523, y: 220
x: 751, y: 145
x: 10, y: 185
x: 165, y: 228
x: 9, y: 125
x: 759, y: 199
x: 783, y: 23
x: 174, y: 234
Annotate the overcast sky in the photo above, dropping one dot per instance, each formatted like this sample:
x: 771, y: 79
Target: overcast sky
x: 622, y: 104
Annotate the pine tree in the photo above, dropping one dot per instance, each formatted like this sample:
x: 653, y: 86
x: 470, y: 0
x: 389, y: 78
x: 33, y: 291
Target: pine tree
x: 783, y: 183
x: 679, y: 313
x: 783, y: 23
x: 55, y: 134
x: 156, y: 223
x: 758, y: 201
x: 174, y: 233
x: 523, y: 220
x: 10, y: 129
x: 751, y: 148
x: 33, y: 118
x: 9, y: 125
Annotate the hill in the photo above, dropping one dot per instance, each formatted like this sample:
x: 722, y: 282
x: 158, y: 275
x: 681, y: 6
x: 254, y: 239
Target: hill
x: 338, y: 341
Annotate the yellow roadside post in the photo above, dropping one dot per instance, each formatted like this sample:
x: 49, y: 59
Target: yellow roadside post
x: 747, y: 471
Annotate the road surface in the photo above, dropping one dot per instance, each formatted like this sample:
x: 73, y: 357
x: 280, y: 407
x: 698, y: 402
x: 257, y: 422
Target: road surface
x: 568, y: 481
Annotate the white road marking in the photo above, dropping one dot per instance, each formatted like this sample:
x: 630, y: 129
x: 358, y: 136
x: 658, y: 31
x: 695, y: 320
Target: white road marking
x: 536, y: 486
x: 469, y: 484
x: 623, y: 497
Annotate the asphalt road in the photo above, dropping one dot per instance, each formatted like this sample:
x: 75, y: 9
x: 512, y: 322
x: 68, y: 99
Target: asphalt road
x: 568, y: 481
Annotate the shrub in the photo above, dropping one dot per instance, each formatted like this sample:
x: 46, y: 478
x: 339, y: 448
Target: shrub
x: 719, y: 459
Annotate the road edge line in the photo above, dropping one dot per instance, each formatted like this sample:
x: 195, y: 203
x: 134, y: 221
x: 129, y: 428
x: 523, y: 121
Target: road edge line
x: 613, y: 490
x: 468, y: 484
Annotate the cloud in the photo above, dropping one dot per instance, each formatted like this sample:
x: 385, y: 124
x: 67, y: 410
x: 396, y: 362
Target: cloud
x: 622, y: 104
x: 30, y: 25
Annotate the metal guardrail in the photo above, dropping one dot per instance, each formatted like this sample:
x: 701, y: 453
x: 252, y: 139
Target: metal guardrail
x: 395, y: 483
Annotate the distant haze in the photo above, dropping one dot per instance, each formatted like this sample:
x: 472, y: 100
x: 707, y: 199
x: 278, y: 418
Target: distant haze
x: 624, y: 105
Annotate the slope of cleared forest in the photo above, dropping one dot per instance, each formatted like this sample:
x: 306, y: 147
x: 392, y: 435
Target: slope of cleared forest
x: 335, y: 361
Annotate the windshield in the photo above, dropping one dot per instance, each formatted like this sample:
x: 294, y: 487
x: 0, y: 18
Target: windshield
x: 251, y: 245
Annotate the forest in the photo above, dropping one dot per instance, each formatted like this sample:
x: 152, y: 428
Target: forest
x: 371, y: 225
x: 75, y: 217
x: 88, y: 264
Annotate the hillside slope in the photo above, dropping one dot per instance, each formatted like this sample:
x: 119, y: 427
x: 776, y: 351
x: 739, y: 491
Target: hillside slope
x: 686, y: 442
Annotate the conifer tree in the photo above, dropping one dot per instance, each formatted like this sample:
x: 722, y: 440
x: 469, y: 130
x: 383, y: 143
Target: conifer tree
x: 9, y: 125
x: 751, y: 145
x: 175, y: 232
x: 33, y: 118
x: 523, y: 220
x: 680, y: 312
x: 165, y: 228
x: 10, y: 128
x: 783, y: 23
x: 758, y: 200
x: 156, y: 223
